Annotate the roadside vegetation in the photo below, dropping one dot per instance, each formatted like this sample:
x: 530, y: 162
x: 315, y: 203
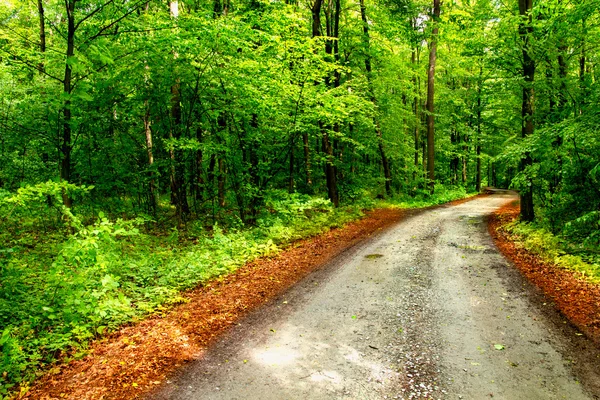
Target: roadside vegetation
x: 571, y: 249
x: 147, y: 146
x: 76, y: 277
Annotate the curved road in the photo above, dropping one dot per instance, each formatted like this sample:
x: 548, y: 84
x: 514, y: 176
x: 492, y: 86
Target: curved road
x: 427, y: 309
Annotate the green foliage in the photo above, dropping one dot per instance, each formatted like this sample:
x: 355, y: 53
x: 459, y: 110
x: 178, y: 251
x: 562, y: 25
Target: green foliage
x: 563, y: 251
x: 424, y: 198
x: 189, y: 145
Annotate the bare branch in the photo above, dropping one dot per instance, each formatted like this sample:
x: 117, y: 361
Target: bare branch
x: 135, y: 7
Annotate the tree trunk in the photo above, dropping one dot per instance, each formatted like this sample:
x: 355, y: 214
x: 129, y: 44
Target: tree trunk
x: 217, y: 9
x: 525, y: 32
x: 330, y: 174
x: 415, y: 59
x: 291, y: 170
x: 478, y: 142
x: 316, y: 17
x: 307, y: 158
x: 66, y: 147
x: 430, y: 97
x: 455, y: 162
x: 464, y: 159
x: 152, y: 179
x: 221, y: 182
x: 42, y: 33
x: 582, y: 70
x: 367, y: 41
x: 199, y: 192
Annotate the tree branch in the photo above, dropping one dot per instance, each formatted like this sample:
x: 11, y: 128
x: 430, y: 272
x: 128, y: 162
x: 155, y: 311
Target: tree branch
x: 30, y: 65
x: 107, y: 27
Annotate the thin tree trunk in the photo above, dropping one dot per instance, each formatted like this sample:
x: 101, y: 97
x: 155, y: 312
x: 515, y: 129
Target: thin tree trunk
x: 152, y: 180
x: 291, y: 170
x: 307, y: 158
x: 478, y: 143
x: 222, y: 127
x: 464, y: 160
x: 416, y: 82
x: 199, y: 193
x: 330, y: 174
x: 42, y: 33
x: 455, y: 162
x: 66, y: 146
x: 221, y: 182
x: 582, y: 70
x: 430, y: 97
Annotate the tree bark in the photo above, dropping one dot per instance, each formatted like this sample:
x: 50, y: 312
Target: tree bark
x: 527, y: 105
x: 414, y: 60
x: 430, y: 97
x: 221, y: 182
x: 478, y: 142
x: 42, y: 33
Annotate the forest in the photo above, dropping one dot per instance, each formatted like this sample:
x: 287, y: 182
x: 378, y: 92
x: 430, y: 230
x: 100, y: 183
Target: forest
x: 147, y: 146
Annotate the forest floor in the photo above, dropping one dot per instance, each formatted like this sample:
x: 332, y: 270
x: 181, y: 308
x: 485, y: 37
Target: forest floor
x: 426, y: 309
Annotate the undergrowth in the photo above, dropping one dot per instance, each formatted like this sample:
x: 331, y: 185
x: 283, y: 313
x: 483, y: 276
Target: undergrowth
x: 563, y: 251
x: 64, y: 282
x: 422, y: 198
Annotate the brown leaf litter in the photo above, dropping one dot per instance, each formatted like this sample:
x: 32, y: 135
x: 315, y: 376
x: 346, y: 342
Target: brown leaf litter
x: 576, y: 298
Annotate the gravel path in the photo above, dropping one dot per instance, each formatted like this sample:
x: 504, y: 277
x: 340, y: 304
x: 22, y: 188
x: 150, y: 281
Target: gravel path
x: 428, y: 309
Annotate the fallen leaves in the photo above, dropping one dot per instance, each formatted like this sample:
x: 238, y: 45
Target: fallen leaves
x: 577, y: 299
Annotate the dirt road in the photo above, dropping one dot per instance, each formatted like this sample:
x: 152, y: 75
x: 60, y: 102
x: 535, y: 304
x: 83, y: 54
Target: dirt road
x: 428, y: 309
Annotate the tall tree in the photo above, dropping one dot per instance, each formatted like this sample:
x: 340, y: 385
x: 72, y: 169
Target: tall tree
x: 332, y: 26
x: 177, y: 176
x: 369, y: 71
x: 527, y: 102
x: 435, y: 16
x: 42, y: 33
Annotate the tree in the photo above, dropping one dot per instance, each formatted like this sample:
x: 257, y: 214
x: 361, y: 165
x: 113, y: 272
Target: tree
x: 431, y: 94
x: 369, y: 72
x: 527, y: 104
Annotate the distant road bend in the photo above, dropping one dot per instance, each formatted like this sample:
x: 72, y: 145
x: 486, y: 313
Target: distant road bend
x: 427, y: 309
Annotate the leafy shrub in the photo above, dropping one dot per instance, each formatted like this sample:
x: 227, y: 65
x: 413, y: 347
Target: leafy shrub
x: 559, y: 250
